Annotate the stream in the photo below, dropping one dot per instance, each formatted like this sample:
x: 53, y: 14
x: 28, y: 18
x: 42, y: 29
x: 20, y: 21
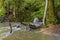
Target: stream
x: 7, y: 33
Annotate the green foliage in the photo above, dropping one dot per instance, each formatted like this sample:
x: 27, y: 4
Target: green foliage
x: 51, y: 18
x: 57, y: 10
x: 2, y: 12
x: 1, y: 9
x: 27, y: 10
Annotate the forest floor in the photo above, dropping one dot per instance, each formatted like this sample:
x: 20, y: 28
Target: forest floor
x: 52, y: 29
x: 43, y: 34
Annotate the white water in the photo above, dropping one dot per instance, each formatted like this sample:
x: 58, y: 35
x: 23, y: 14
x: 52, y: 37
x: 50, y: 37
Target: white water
x: 6, y: 34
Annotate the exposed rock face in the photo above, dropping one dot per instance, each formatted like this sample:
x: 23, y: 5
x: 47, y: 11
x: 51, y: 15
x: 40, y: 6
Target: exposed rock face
x: 36, y: 22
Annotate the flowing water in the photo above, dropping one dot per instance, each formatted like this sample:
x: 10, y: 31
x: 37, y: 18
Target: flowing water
x: 5, y: 32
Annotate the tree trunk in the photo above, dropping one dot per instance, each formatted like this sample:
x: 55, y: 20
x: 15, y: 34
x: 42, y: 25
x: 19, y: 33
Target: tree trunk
x: 44, y: 17
x: 51, y: 17
x: 14, y: 11
x: 10, y: 27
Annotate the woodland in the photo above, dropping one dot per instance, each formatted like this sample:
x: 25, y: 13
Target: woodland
x: 23, y: 12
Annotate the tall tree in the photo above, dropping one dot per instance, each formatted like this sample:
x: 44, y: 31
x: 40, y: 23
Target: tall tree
x: 51, y: 17
x: 44, y: 17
